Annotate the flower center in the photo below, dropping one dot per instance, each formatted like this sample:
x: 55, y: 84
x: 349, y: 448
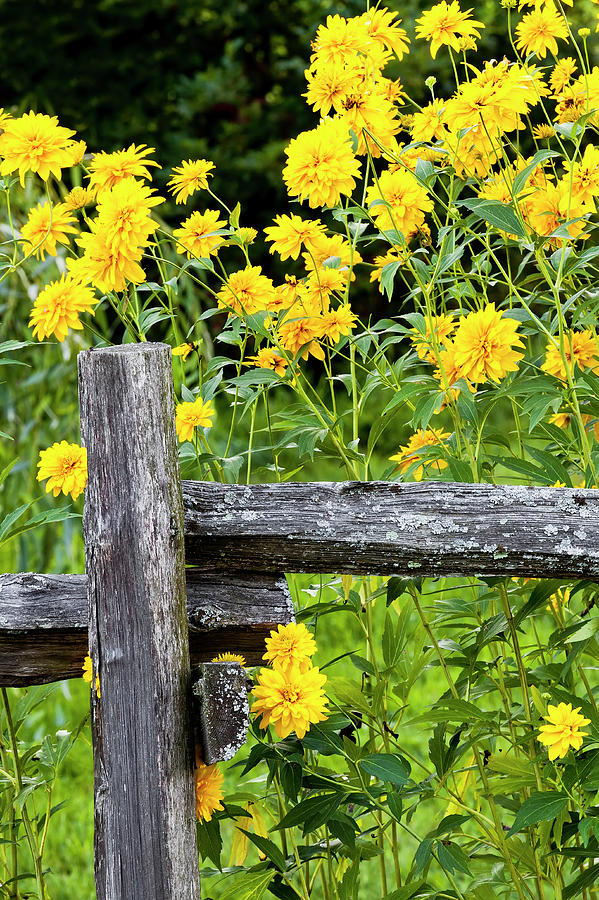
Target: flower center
x: 290, y: 694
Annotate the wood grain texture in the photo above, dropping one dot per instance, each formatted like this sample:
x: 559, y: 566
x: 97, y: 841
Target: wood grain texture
x: 43, y: 621
x: 386, y: 528
x: 145, y: 837
x: 222, y: 710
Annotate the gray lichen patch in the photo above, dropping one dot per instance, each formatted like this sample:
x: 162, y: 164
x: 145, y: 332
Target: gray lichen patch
x: 221, y: 711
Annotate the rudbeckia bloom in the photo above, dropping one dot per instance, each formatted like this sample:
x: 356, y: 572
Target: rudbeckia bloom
x: 290, y: 233
x: 34, y: 143
x: 408, y: 454
x: 58, y: 306
x: 246, y: 292
x: 580, y: 348
x: 338, y: 322
x: 107, y: 169
x: 405, y: 202
x: 47, y: 226
x: 191, y: 415
x: 268, y: 359
x: 196, y: 236
x: 209, y: 793
x: 321, y: 165
x: 290, y: 645
x: 563, y: 730
x: 539, y: 30
x: 65, y: 467
x: 290, y: 700
x: 437, y: 327
x: 484, y: 345
x: 88, y: 673
x: 445, y: 24
x: 189, y: 177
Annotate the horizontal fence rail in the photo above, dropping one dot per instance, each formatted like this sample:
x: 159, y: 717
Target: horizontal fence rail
x: 44, y: 621
x: 386, y: 528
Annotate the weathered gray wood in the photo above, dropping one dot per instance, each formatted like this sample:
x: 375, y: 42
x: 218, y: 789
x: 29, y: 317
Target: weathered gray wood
x: 145, y: 838
x: 223, y: 712
x: 386, y: 528
x: 43, y: 621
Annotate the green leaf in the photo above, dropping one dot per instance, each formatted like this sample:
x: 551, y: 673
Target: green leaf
x: 541, y: 806
x: 406, y: 892
x: 386, y: 767
x: 497, y: 214
x: 452, y: 857
x: 523, y: 176
x: 388, y: 276
x: 270, y: 850
x: 210, y: 843
x: 249, y: 885
x: 311, y: 813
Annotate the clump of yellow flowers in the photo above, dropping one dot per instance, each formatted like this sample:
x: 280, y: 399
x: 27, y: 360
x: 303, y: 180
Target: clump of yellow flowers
x: 289, y: 695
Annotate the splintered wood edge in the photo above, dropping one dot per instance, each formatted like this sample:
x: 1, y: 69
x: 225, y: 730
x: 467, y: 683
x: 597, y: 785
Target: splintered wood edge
x: 43, y: 621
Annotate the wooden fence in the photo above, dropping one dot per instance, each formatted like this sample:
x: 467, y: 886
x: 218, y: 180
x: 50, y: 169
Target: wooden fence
x: 178, y: 572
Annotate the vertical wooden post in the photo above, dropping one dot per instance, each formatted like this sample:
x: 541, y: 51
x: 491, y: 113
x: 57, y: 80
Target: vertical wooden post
x: 145, y: 839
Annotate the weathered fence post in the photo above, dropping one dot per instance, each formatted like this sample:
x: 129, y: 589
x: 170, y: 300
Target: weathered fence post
x: 145, y: 841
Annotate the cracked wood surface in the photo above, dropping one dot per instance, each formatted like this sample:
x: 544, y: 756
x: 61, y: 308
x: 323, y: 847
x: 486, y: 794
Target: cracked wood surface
x: 145, y: 832
x: 43, y: 621
x: 386, y: 528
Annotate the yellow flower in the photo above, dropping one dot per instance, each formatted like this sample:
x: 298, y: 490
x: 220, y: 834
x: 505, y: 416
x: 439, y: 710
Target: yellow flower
x: 585, y: 176
x: 302, y: 334
x: 554, y: 205
x: 439, y: 327
x: 103, y: 264
x: 246, y: 291
x: 88, y: 673
x: 407, y: 202
x: 107, y: 169
x: 57, y: 308
x: 381, y: 29
x: 290, y: 645
x: 580, y: 347
x: 290, y: 233
x: 427, y: 125
x: 445, y: 24
x: 209, y: 793
x: 543, y: 132
x: 4, y: 118
x: 408, y: 454
x: 189, y: 177
x: 230, y: 657
x: 320, y: 285
x: 338, y: 322
x: 330, y: 84
x: 123, y: 217
x: 484, y: 345
x: 339, y: 39
x: 190, y: 415
x: 290, y: 700
x: 563, y: 730
x: 78, y: 198
x: 538, y: 31
x: 34, y: 143
x: 321, y: 165
x: 268, y: 359
x: 562, y: 74
x: 76, y: 152
x: 369, y: 113
x: 46, y: 226
x: 65, y: 467
x: 183, y: 350
x: 196, y: 235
